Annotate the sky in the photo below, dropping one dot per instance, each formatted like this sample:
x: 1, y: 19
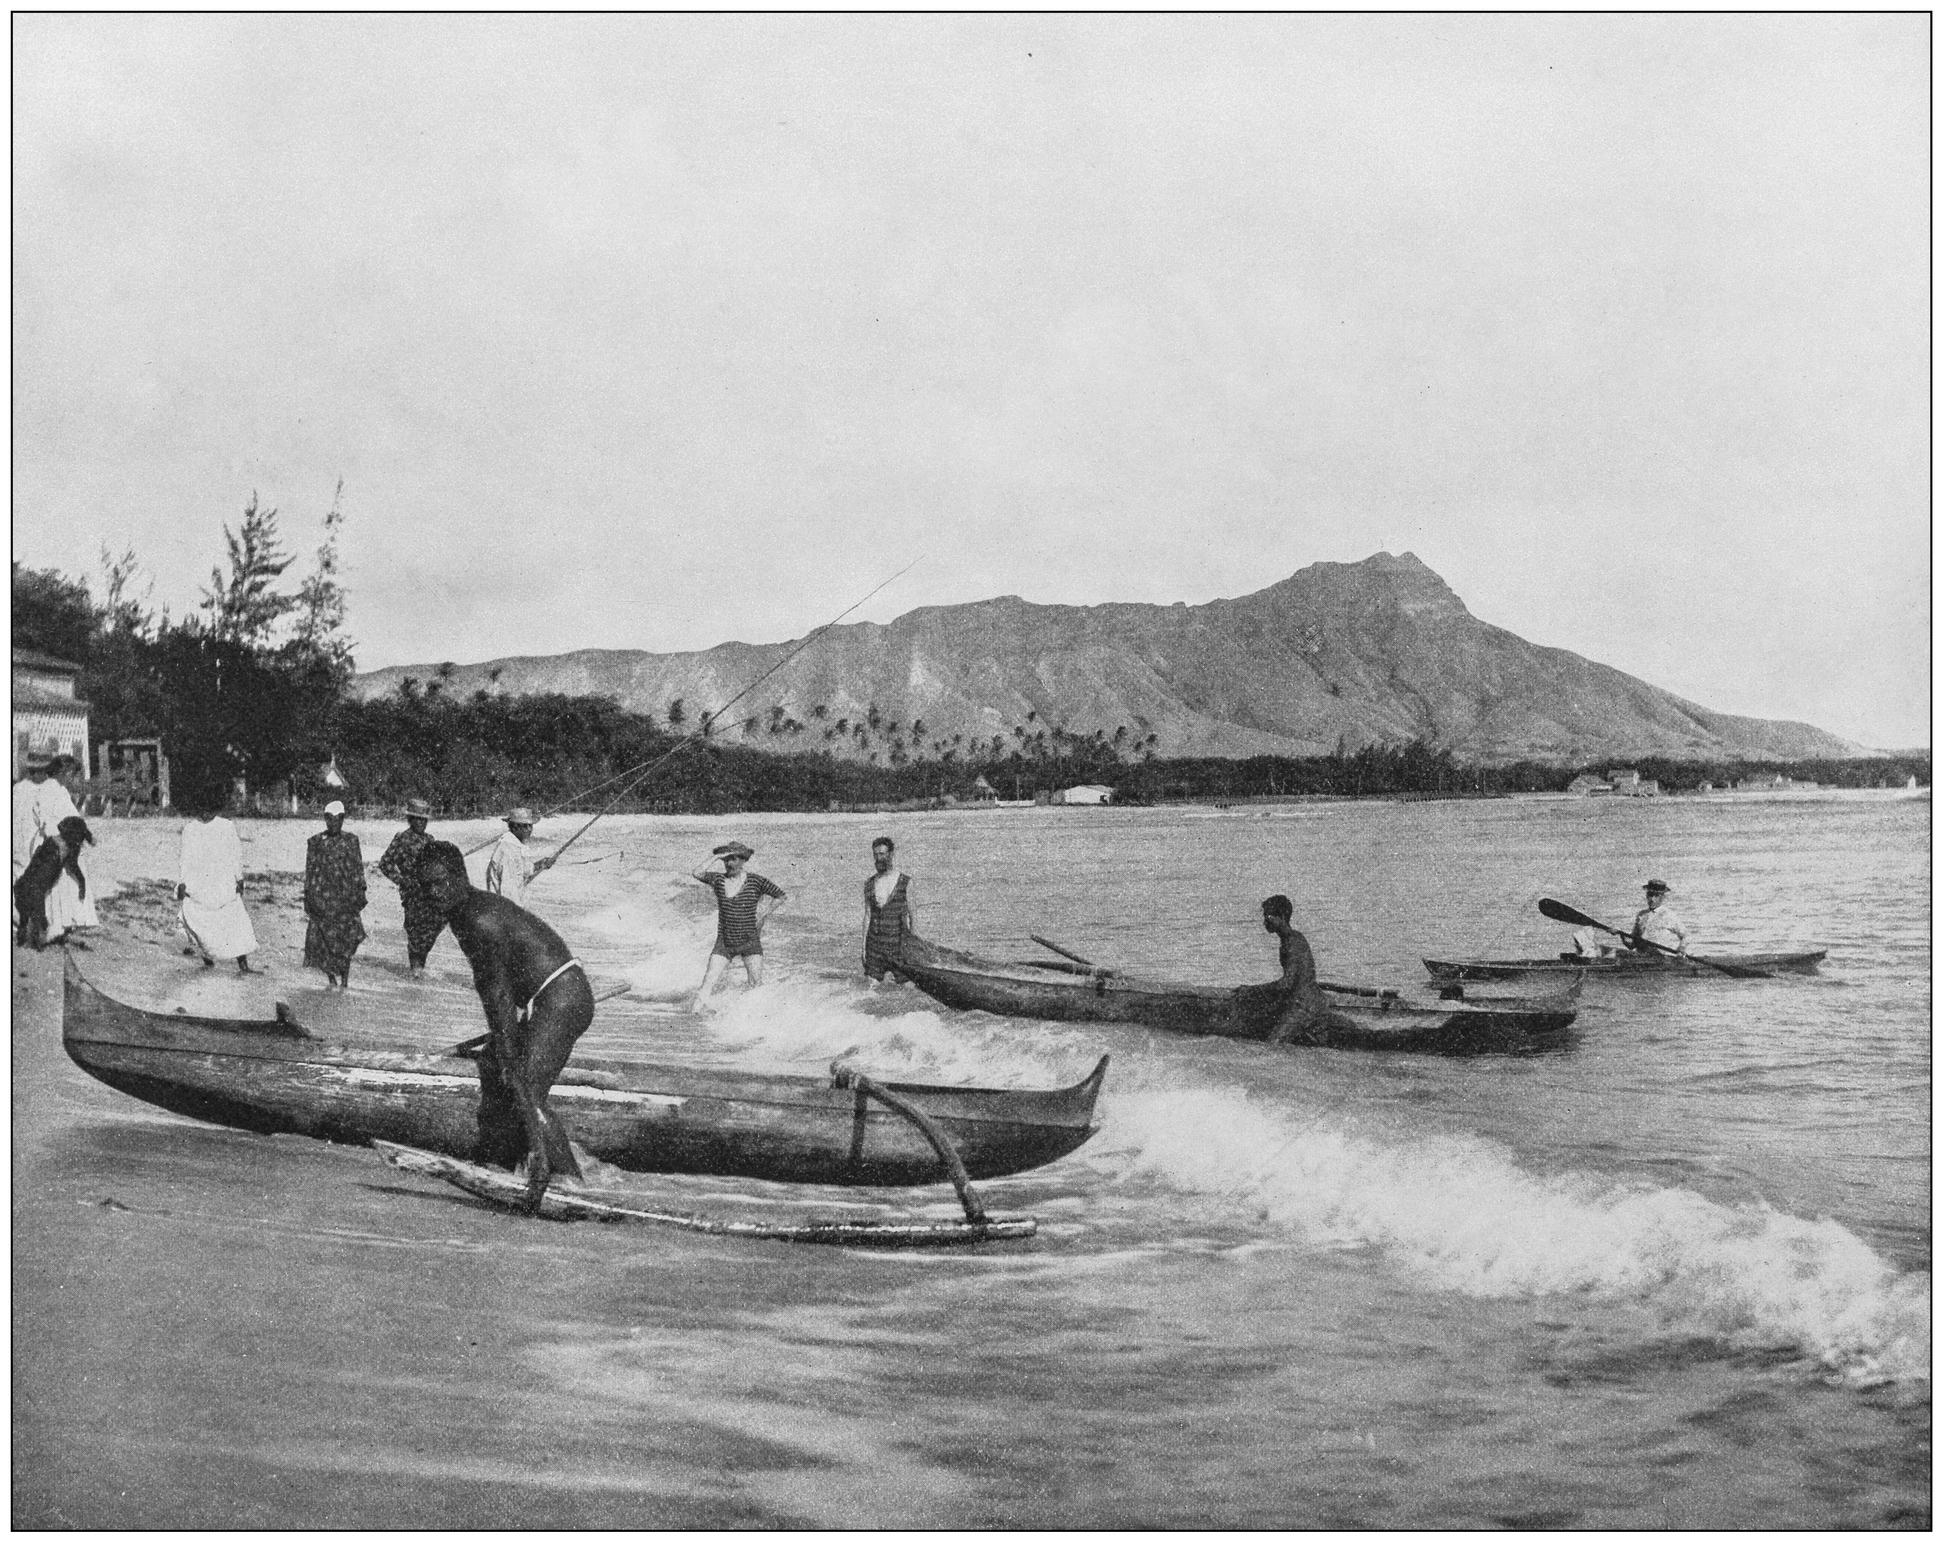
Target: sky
x: 662, y: 331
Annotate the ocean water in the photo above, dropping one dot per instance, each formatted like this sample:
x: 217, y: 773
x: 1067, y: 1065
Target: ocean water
x: 1673, y: 1273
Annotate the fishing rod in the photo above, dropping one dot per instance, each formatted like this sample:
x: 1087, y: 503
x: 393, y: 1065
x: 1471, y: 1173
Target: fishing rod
x: 708, y: 720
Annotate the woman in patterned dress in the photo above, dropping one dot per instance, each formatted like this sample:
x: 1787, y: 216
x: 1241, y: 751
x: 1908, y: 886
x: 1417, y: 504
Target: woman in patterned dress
x: 333, y: 896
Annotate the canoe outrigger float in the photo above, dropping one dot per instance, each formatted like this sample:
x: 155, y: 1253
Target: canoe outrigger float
x: 273, y: 1077
x: 1625, y: 965
x: 1357, y: 1019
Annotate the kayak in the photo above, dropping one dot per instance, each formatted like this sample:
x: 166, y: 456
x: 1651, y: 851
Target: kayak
x: 1628, y: 965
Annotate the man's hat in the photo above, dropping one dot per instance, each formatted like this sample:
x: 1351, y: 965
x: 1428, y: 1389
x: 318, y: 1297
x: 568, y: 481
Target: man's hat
x: 417, y: 808
x: 520, y: 816
x: 38, y: 760
x: 333, y: 807
x: 1659, y: 886
x: 735, y: 849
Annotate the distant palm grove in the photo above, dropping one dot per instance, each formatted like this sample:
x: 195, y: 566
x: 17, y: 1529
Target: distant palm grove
x: 249, y: 694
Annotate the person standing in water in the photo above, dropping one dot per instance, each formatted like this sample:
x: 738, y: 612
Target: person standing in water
x: 739, y: 916
x: 538, y: 1003
x: 333, y: 897
x: 423, y: 922
x: 888, y: 914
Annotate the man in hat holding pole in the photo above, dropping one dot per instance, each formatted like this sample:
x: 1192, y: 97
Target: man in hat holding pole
x: 1657, y: 924
x: 423, y: 919
x: 738, y: 920
x: 511, y: 867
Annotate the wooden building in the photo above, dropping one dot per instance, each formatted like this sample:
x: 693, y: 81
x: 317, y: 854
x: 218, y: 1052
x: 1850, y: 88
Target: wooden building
x: 48, y: 717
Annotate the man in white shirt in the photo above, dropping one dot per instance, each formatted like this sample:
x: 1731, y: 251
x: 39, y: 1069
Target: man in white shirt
x: 26, y: 821
x: 1657, y: 924
x: 511, y: 867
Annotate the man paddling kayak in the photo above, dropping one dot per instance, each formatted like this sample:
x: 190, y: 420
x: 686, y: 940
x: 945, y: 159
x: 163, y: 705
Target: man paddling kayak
x: 1657, y: 924
x: 538, y: 1003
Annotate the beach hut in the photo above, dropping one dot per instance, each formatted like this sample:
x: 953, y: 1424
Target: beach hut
x: 48, y: 717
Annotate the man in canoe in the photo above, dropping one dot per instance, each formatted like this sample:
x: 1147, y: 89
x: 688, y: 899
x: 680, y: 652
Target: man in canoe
x: 538, y: 1002
x: 1306, y: 1007
x: 1658, y: 925
x: 888, y: 915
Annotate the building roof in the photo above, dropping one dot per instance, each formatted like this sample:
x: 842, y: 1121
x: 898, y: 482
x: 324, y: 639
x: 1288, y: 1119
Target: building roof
x: 27, y: 699
x: 27, y: 658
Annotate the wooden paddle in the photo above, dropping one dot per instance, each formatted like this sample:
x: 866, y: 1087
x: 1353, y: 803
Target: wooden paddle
x: 1552, y: 910
x: 1069, y: 953
x: 1346, y: 990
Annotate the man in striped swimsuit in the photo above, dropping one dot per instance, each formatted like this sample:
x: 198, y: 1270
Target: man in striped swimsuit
x: 889, y: 916
x: 739, y: 915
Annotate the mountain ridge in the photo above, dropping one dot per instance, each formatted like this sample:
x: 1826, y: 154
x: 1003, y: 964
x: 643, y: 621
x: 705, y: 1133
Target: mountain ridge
x: 1335, y: 655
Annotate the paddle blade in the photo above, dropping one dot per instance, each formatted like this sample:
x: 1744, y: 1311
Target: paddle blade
x: 1552, y: 910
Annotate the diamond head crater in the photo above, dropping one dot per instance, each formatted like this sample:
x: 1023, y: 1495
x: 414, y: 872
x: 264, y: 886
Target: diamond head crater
x: 1337, y: 658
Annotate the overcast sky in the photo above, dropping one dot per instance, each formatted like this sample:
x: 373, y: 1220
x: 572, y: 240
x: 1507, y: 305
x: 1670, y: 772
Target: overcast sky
x: 661, y: 331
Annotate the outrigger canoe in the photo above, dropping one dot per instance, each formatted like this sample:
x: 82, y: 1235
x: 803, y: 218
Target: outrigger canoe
x: 1061, y: 994
x: 275, y: 1078
x: 1626, y: 965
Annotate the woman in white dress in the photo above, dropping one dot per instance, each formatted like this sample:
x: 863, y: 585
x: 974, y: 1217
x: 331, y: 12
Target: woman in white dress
x: 210, y: 887
x: 70, y: 903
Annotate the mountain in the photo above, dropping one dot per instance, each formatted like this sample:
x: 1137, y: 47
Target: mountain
x: 1378, y: 651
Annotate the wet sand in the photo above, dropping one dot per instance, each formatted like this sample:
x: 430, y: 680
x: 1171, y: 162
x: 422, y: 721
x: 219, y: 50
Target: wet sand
x: 217, y: 1329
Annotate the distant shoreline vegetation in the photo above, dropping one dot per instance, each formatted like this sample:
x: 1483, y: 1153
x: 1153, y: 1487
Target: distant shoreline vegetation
x: 481, y: 755
x: 251, y: 697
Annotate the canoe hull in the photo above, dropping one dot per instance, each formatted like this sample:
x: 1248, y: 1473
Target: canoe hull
x: 967, y: 981
x: 643, y: 1118
x: 1621, y: 965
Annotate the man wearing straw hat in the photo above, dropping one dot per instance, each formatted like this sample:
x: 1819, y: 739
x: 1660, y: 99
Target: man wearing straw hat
x: 423, y: 920
x: 738, y: 921
x: 1657, y: 924
x: 511, y: 867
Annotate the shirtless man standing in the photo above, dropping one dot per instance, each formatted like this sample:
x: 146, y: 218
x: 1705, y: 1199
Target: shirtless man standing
x: 537, y: 1001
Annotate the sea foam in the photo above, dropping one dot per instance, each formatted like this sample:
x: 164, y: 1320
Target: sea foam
x: 1458, y: 1213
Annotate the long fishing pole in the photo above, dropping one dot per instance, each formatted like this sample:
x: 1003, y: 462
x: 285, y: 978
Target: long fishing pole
x: 709, y: 718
